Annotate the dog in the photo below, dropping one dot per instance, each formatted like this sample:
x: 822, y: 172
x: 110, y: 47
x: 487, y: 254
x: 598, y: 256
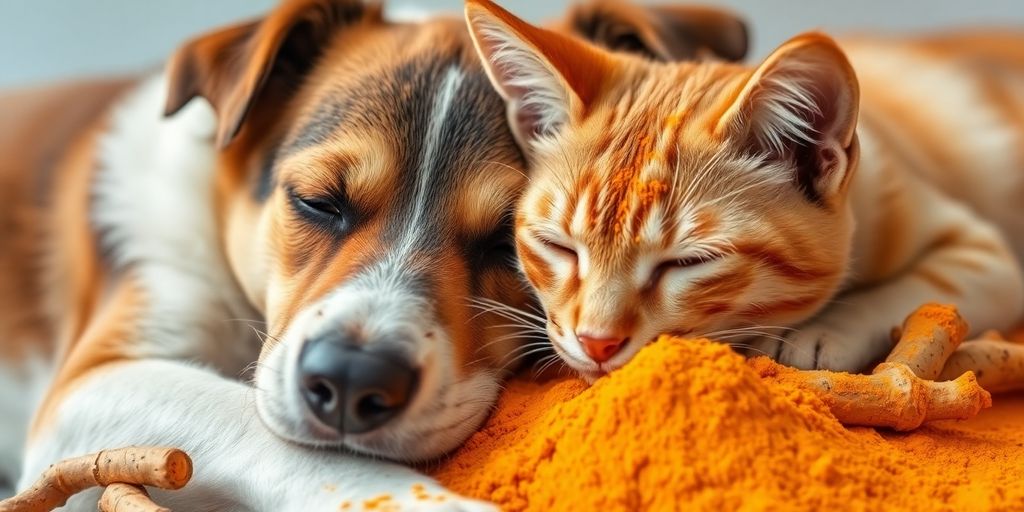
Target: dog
x: 335, y: 205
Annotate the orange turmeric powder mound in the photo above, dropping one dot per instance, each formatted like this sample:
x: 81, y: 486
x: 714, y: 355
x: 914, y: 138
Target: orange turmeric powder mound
x: 690, y: 425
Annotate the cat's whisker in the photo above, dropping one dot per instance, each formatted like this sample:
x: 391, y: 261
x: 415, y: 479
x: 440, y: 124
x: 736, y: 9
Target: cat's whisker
x: 498, y: 307
x: 538, y: 340
x: 549, y: 362
x: 529, y: 328
x: 517, y: 311
x: 536, y: 350
x: 754, y: 328
x: 523, y: 319
x: 765, y: 335
x: 508, y: 337
x: 745, y: 346
x: 520, y: 336
x: 516, y: 359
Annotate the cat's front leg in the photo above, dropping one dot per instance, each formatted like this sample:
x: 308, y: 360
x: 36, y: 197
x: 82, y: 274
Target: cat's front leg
x: 957, y: 259
x: 847, y: 337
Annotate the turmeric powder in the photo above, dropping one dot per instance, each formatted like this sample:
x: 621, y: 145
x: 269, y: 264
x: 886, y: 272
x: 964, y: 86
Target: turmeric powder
x: 691, y: 425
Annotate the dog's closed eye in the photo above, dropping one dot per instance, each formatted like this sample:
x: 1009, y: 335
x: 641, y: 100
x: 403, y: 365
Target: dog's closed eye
x: 497, y: 247
x: 327, y: 212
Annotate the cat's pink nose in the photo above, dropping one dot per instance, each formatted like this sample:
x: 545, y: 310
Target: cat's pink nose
x: 601, y: 349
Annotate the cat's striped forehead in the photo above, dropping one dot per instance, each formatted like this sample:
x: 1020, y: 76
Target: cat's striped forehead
x: 646, y: 167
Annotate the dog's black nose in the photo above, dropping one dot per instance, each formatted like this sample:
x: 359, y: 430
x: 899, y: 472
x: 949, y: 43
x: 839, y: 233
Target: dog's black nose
x: 352, y: 389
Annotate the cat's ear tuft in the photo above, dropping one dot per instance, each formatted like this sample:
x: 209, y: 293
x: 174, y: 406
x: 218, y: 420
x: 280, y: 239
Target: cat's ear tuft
x: 545, y: 78
x: 801, y: 105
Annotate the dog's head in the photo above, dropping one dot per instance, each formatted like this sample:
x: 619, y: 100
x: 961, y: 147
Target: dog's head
x: 366, y: 189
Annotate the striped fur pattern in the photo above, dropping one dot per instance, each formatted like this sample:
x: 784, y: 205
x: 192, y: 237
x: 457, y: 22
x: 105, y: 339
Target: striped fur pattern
x: 797, y: 208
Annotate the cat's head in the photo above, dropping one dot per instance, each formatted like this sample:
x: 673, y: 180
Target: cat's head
x: 681, y: 198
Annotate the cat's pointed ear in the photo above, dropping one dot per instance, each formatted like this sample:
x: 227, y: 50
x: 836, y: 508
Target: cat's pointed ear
x: 660, y: 32
x: 232, y: 67
x: 801, y: 105
x: 546, y: 78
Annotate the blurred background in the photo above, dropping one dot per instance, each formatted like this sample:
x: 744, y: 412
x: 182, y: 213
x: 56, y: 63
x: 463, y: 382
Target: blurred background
x: 46, y: 40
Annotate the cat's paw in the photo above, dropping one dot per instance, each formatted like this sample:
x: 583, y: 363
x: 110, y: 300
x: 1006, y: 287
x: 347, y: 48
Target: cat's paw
x: 827, y: 345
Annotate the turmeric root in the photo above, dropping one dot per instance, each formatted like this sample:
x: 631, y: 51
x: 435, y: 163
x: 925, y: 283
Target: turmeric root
x: 929, y: 348
x: 998, y: 364
x: 119, y: 497
x: 929, y: 336
x: 900, y: 393
x: 167, y: 468
x: 891, y: 397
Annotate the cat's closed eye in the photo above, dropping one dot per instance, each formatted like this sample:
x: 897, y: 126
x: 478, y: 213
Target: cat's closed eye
x: 559, y: 248
x: 673, y: 264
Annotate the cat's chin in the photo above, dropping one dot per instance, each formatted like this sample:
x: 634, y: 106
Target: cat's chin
x: 591, y: 376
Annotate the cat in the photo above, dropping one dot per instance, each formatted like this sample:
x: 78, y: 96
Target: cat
x: 797, y: 207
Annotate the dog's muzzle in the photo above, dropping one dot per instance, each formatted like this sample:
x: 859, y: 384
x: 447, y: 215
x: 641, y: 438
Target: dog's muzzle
x: 354, y: 389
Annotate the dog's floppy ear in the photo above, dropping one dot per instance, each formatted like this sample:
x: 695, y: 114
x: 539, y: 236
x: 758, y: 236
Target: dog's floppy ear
x: 661, y: 32
x: 232, y: 66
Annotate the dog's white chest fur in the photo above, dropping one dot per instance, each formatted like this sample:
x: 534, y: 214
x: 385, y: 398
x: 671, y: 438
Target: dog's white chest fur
x: 154, y: 208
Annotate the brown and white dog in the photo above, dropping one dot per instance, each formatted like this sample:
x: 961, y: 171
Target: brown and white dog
x: 337, y: 210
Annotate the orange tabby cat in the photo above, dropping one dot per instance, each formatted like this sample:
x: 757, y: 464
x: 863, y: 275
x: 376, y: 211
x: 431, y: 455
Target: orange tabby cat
x: 792, y: 204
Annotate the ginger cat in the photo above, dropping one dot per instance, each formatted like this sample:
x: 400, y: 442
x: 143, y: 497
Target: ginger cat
x: 793, y: 206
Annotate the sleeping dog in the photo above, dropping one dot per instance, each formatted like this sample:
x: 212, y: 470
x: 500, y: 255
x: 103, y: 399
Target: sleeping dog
x: 334, y: 206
